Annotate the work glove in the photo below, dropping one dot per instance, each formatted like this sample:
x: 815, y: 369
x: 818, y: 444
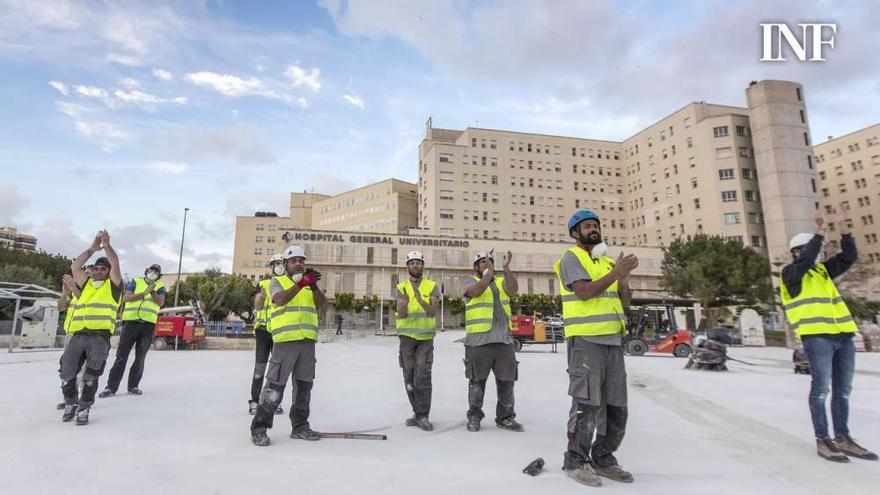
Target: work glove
x: 309, y: 278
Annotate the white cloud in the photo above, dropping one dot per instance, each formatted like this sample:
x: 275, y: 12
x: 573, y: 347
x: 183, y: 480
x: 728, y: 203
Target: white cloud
x: 121, y: 31
x: 12, y: 202
x: 163, y: 75
x: 169, y: 167
x: 91, y: 92
x: 129, y: 83
x: 70, y: 108
x: 123, y: 59
x: 60, y: 86
x: 354, y: 100
x: 107, y: 135
x: 227, y: 84
x: 145, y: 100
x: 300, y: 77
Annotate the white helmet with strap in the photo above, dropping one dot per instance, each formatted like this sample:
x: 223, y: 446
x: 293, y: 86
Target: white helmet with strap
x: 276, y: 257
x: 415, y: 255
x: 482, y: 254
x: 799, y: 240
x: 294, y: 252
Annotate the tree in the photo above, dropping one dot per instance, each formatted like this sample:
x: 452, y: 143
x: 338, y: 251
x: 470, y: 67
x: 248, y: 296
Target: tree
x: 367, y: 303
x: 53, y: 266
x: 717, y: 272
x: 220, y: 293
x: 455, y: 304
x: 23, y: 274
x: 344, y: 302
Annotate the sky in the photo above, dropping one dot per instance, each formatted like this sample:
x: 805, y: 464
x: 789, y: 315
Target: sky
x: 119, y: 115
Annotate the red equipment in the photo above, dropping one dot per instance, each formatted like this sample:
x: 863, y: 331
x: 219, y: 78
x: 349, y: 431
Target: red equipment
x: 173, y: 330
x: 667, y: 336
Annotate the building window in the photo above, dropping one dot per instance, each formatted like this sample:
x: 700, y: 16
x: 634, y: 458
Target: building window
x: 741, y: 130
x: 445, y: 157
x: 728, y: 196
x: 747, y: 174
x: 720, y: 131
x: 447, y: 176
x: 725, y: 152
x: 693, y: 182
x: 725, y: 174
x: 756, y: 241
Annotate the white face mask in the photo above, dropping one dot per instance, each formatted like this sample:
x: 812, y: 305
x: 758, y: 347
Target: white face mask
x: 97, y: 283
x: 278, y: 270
x: 152, y: 276
x: 599, y: 250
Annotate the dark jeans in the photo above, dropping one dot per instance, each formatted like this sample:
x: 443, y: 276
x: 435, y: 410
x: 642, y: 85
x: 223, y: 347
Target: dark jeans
x: 832, y: 363
x: 479, y: 361
x: 263, y: 349
x: 416, y: 359
x: 137, y: 334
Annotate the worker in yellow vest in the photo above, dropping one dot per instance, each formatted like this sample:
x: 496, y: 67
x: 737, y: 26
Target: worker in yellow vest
x: 488, y: 345
x: 92, y: 323
x: 594, y: 290
x: 418, y: 300
x: 293, y: 322
x: 143, y: 298
x: 66, y: 303
x: 262, y: 337
x: 816, y: 311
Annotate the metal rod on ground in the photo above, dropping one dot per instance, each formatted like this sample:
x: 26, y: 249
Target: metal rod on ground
x: 354, y: 436
x: 180, y: 259
x: 14, y: 320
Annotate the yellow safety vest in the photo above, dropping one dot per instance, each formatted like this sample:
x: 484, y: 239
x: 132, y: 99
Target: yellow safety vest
x: 68, y: 315
x: 96, y: 308
x: 479, y: 311
x: 417, y: 324
x: 819, y: 308
x: 142, y: 309
x: 262, y: 319
x: 296, y: 320
x: 599, y: 315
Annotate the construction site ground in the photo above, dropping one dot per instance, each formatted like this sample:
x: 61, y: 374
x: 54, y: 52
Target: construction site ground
x: 743, y: 431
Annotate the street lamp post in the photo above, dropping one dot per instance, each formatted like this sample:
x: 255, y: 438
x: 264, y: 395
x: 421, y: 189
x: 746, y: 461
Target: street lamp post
x: 180, y: 259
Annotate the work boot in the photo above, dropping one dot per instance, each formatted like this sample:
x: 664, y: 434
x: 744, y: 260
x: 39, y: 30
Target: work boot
x: 135, y: 391
x: 473, y: 424
x: 413, y: 421
x: 279, y: 410
x: 306, y: 433
x: 106, y: 393
x: 615, y: 473
x: 82, y: 416
x: 252, y: 407
x: 826, y: 449
x: 509, y: 424
x: 585, y: 475
x: 60, y: 406
x: 849, y: 447
x: 260, y: 439
x: 424, y: 424
x: 69, y: 412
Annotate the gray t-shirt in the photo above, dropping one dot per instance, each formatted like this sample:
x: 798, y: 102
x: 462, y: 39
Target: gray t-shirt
x: 500, y: 332
x: 572, y: 271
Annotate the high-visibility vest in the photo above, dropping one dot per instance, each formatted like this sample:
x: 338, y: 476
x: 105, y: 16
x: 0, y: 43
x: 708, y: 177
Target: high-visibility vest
x: 262, y: 319
x: 96, y: 308
x: 296, y: 320
x: 479, y: 311
x: 68, y: 315
x: 599, y: 315
x: 417, y: 324
x: 819, y: 308
x: 142, y: 309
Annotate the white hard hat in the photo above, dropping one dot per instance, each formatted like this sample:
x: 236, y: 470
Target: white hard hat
x: 276, y: 257
x: 415, y: 255
x: 480, y: 255
x: 799, y: 240
x: 294, y: 252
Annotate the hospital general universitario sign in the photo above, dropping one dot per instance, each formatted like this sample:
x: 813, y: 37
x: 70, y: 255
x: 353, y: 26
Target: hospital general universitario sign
x: 377, y: 239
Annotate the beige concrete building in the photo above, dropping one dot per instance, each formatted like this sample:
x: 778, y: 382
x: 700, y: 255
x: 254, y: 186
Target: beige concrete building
x: 849, y: 171
x: 11, y: 238
x: 695, y: 171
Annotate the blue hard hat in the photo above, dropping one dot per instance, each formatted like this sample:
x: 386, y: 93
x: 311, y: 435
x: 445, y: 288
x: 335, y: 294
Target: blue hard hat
x: 580, y: 216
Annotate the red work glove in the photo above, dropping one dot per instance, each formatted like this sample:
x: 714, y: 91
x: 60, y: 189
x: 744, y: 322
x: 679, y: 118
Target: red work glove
x: 310, y: 277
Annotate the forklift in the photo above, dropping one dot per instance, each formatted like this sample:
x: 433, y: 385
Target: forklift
x: 653, y: 328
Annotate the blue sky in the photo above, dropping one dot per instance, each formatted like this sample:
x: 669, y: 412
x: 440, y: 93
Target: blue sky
x: 119, y: 115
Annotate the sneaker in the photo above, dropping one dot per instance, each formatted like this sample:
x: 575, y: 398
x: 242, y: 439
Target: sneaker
x: 615, y: 473
x: 306, y: 434
x: 260, y: 439
x: 60, y: 406
x: 424, y: 424
x: 413, y: 421
x: 827, y: 450
x: 280, y: 410
x: 252, y: 407
x: 849, y: 447
x: 69, y: 412
x: 135, y: 391
x: 106, y: 393
x: 585, y: 475
x: 509, y: 424
x: 473, y: 424
x: 82, y: 416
